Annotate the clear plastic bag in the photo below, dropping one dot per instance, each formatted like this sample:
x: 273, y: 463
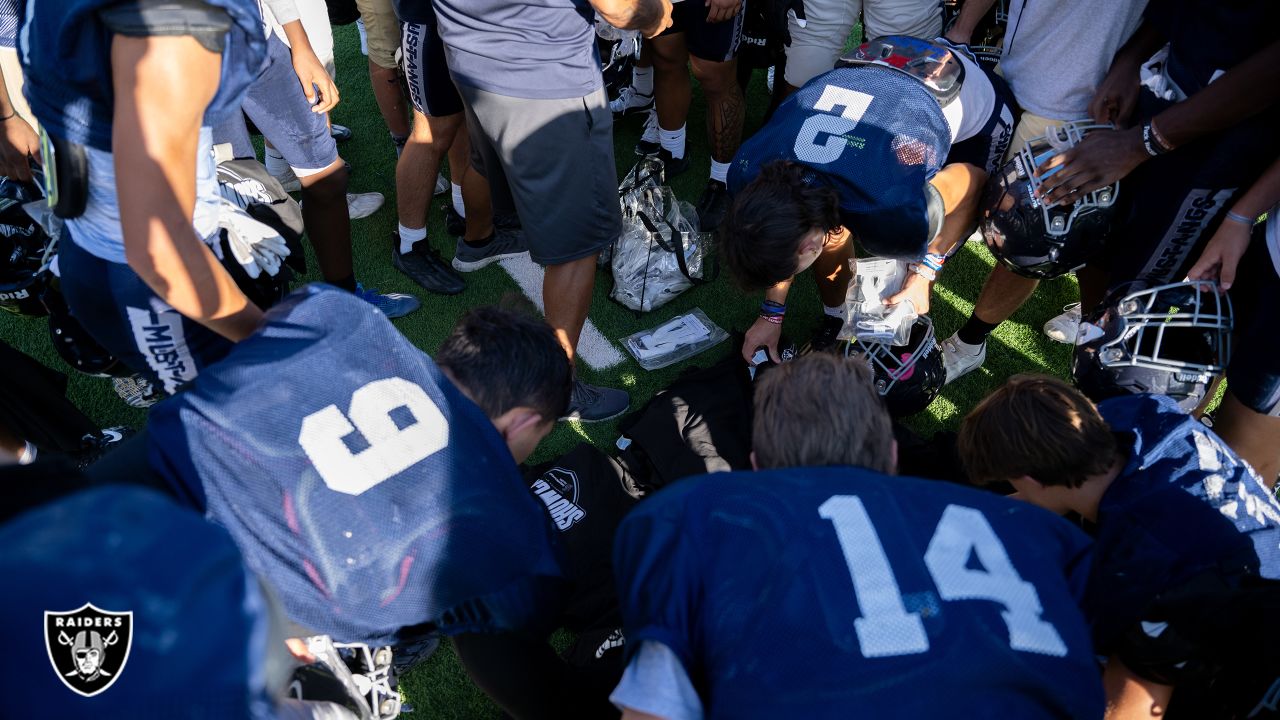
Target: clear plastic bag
x: 867, y: 318
x: 680, y: 338
x: 660, y: 253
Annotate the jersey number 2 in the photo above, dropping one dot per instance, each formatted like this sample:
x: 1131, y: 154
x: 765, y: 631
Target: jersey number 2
x: 391, y: 449
x: 887, y: 629
x: 853, y: 106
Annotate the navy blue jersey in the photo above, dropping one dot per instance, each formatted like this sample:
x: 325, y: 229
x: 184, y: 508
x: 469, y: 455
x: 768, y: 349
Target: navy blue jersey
x: 1184, y: 504
x: 357, y: 479
x: 875, y: 135
x: 835, y: 592
x: 1208, y: 37
x: 65, y: 49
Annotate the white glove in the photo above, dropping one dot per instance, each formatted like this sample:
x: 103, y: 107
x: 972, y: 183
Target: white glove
x: 255, y: 245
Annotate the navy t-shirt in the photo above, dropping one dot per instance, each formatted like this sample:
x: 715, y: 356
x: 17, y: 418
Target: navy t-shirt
x: 838, y: 592
x: 539, y: 49
x: 358, y: 480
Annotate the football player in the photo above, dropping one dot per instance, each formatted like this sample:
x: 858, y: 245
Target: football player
x: 149, y: 79
x: 822, y: 587
x: 375, y: 488
x: 1249, y: 417
x: 891, y: 149
x: 1175, y: 512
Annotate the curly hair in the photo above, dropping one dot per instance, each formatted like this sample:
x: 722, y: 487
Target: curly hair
x: 761, y: 233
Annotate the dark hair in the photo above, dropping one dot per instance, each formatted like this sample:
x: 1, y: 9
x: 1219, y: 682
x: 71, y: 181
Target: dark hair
x: 821, y: 409
x: 505, y: 359
x: 762, y: 231
x: 1038, y: 426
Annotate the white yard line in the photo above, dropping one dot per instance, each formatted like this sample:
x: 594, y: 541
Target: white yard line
x: 593, y: 347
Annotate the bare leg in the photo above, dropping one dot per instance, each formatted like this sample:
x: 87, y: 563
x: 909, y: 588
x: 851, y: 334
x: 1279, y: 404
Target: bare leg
x: 1254, y: 437
x: 566, y: 294
x: 672, y: 88
x: 419, y: 165
x: 324, y: 213
x: 726, y: 108
x: 390, y: 98
x: 1002, y: 294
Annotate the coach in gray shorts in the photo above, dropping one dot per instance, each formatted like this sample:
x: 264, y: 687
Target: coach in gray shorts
x: 542, y: 133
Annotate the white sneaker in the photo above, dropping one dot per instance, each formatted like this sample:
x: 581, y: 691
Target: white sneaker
x: 630, y: 102
x: 289, y: 181
x: 768, y: 79
x: 960, y: 358
x: 649, y: 141
x: 1063, y: 328
x: 362, y: 205
x: 442, y: 185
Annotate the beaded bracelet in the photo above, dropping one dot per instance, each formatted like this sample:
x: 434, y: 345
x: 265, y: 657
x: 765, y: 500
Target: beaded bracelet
x: 775, y: 319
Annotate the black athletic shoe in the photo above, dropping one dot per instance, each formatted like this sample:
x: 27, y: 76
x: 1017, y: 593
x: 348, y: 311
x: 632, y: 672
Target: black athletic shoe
x: 825, y: 336
x: 95, y: 445
x: 424, y: 266
x: 340, y: 133
x: 672, y: 166
x: 713, y: 205
x: 503, y: 244
x: 592, y: 403
x: 454, y: 224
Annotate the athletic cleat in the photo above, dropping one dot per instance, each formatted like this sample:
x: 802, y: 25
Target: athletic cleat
x: 713, y: 205
x: 362, y: 205
x: 442, y: 185
x: 424, y: 266
x: 503, y: 244
x: 592, y: 403
x: 393, y: 305
x: 825, y: 335
x: 649, y: 144
x: 630, y: 102
x: 1062, y: 328
x: 454, y: 224
x: 340, y: 133
x: 672, y: 166
x: 960, y: 358
x: 94, y: 445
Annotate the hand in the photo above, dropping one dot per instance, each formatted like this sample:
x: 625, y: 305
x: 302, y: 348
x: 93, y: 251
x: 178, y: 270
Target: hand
x: 916, y: 289
x: 1221, y: 257
x: 1100, y: 159
x: 762, y: 333
x: 18, y: 146
x: 721, y: 10
x: 255, y: 245
x: 312, y: 75
x: 1116, y: 96
x: 299, y: 650
x: 779, y: 25
x: 663, y: 23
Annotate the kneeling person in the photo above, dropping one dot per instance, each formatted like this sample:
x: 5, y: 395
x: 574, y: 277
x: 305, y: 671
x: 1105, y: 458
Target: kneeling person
x: 1176, y: 512
x: 375, y: 488
x: 891, y: 149
x: 820, y: 586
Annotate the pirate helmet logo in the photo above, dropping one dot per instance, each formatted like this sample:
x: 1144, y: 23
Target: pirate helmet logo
x: 88, y: 647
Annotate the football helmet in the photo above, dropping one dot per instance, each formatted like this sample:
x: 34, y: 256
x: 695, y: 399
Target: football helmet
x: 1170, y: 340
x: 1034, y: 239
x: 932, y: 63
x: 73, y: 343
x: 25, y: 250
x: 908, y: 376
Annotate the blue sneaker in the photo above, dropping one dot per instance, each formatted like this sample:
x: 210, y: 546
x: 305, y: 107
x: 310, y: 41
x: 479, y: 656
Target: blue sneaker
x: 393, y: 305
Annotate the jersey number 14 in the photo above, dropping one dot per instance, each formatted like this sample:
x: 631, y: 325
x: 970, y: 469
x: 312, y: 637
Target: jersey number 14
x: 886, y: 628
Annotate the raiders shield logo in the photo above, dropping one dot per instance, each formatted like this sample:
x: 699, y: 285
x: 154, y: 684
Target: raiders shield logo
x: 88, y: 647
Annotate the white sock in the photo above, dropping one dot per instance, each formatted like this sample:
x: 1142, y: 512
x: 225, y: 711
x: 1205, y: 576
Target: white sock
x: 672, y: 141
x: 642, y: 80
x: 835, y: 312
x: 409, y: 236
x: 458, y: 207
x: 720, y: 171
x: 275, y: 162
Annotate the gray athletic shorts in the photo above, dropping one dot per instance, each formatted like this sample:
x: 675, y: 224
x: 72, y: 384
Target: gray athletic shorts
x: 550, y: 161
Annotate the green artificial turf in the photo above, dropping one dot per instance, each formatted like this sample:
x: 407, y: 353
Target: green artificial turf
x: 439, y: 688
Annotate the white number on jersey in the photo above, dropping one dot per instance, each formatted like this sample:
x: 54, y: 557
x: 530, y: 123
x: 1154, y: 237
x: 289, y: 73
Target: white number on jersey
x: 887, y: 629
x: 391, y: 449
x: 853, y: 106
